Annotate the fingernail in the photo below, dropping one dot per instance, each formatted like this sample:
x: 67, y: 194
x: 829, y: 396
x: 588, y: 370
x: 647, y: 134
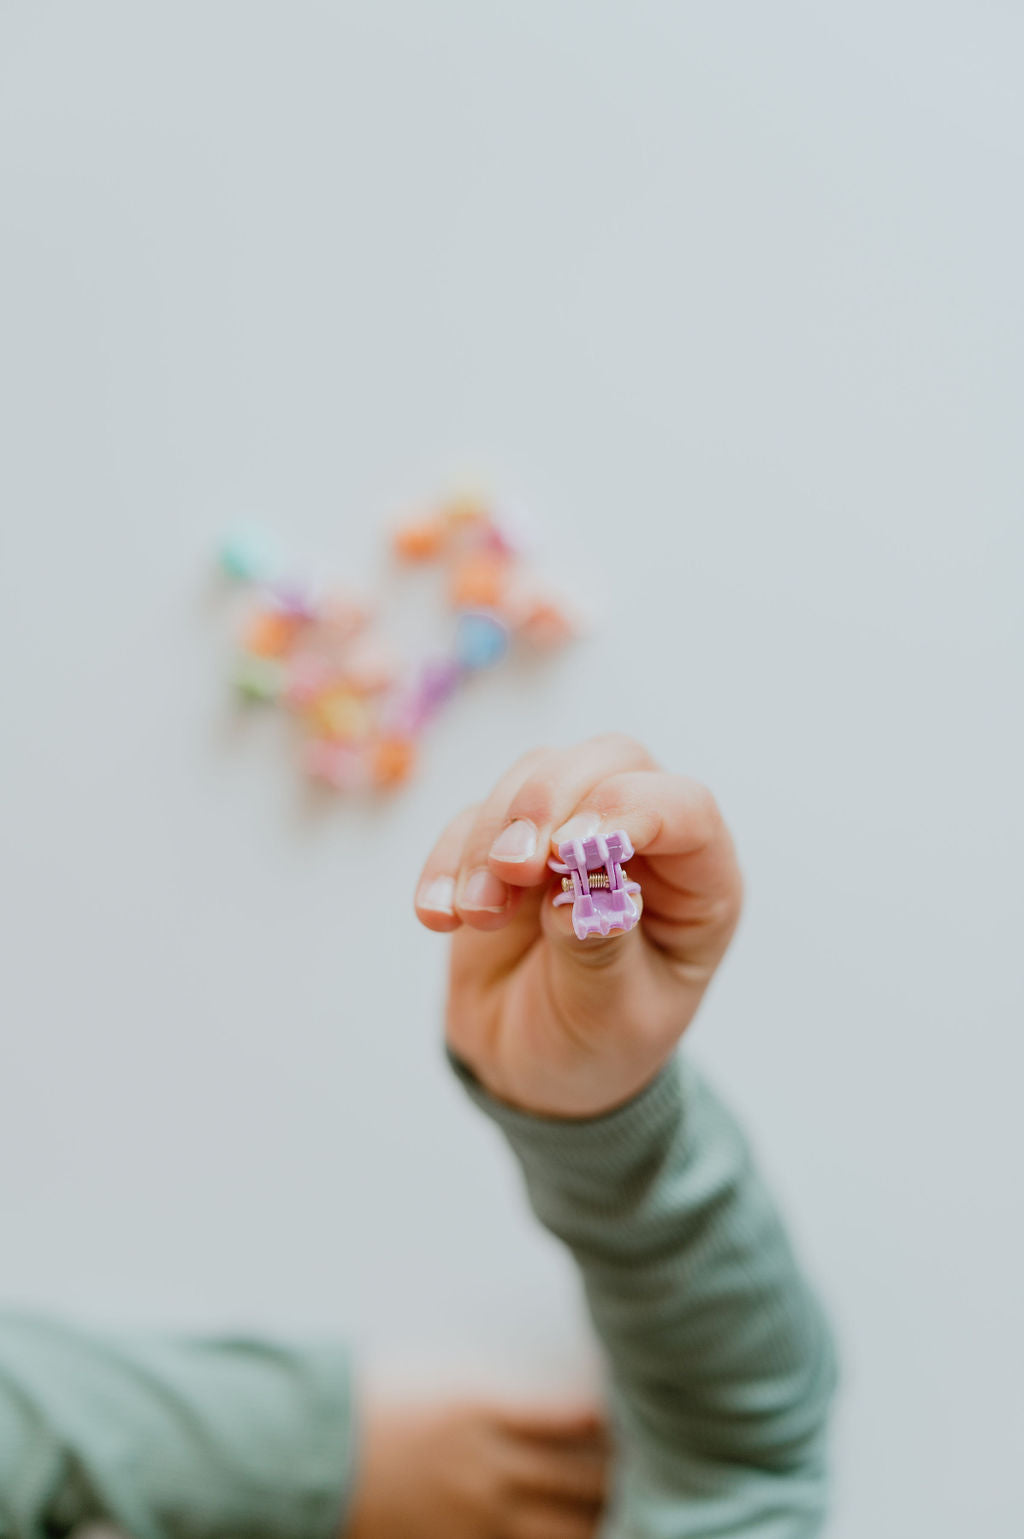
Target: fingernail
x: 483, y: 892
x: 580, y: 826
x: 439, y: 895
x: 516, y: 842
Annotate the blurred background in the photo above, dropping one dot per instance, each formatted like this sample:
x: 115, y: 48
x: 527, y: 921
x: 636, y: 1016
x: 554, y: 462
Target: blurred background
x: 730, y: 297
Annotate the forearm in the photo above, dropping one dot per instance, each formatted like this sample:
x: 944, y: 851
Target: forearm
x: 167, y: 1438
x: 720, y: 1357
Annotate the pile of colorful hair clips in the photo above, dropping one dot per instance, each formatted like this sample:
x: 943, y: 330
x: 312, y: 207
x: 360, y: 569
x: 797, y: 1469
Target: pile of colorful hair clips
x: 323, y: 654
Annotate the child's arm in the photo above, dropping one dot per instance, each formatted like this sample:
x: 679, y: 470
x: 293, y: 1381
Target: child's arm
x: 721, y: 1363
x: 162, y: 1437
x: 720, y: 1359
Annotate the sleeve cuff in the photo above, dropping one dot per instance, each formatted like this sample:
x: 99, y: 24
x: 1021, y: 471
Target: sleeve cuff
x: 591, y: 1148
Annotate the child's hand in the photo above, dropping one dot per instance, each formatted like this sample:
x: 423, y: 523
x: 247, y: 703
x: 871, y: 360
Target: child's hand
x: 547, y: 1022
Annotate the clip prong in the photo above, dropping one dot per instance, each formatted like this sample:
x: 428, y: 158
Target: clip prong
x: 594, y: 882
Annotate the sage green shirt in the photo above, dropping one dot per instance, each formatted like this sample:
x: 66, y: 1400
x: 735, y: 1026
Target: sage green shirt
x: 720, y: 1363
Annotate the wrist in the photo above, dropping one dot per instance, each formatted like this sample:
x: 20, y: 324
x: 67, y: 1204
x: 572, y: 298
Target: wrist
x: 529, y: 1110
x: 581, y: 1097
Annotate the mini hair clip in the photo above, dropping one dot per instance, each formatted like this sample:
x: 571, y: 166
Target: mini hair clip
x: 594, y: 882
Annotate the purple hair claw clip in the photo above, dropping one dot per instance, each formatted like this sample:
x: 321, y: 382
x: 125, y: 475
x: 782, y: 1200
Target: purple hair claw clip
x: 594, y: 882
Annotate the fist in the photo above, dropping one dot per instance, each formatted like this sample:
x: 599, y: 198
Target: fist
x: 554, y: 1025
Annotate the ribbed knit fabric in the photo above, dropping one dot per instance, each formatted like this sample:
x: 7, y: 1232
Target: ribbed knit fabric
x: 170, y: 1439
x: 721, y: 1363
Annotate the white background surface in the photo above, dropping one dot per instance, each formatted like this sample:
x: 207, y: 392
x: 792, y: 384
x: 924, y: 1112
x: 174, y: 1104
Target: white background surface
x: 730, y: 295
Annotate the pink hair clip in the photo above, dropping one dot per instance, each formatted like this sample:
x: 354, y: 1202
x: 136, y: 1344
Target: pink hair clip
x: 594, y: 882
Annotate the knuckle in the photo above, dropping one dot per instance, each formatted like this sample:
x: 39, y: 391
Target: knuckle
x: 622, y: 743
x: 720, y: 912
x: 463, y: 821
x: 706, y: 811
x: 526, y: 767
x: 533, y: 756
x: 535, y: 799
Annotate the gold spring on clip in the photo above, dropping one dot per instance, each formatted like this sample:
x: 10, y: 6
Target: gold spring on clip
x: 594, y: 879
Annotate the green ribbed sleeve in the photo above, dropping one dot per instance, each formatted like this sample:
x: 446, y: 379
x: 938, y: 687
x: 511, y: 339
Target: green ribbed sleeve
x: 721, y: 1361
x: 171, y: 1439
